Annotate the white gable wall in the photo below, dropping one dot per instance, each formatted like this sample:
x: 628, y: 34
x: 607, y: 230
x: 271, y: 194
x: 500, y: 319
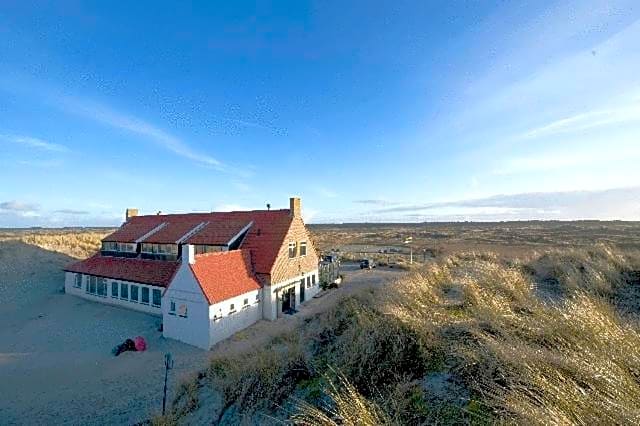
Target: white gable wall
x: 224, y: 322
x: 185, y: 291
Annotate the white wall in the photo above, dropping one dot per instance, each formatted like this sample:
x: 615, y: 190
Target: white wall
x: 272, y: 295
x: 224, y: 324
x: 69, y: 287
x: 184, y: 290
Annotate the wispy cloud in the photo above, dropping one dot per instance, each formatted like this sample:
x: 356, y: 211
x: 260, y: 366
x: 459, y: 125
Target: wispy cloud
x: 71, y: 212
x: 108, y: 116
x: 629, y: 113
x: 615, y: 203
x: 36, y: 143
x: 374, y: 202
x: 19, y: 209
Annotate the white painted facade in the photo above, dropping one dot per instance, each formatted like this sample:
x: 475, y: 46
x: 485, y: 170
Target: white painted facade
x: 118, y: 300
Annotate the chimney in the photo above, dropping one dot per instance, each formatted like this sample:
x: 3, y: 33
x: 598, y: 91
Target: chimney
x: 129, y: 213
x: 295, y: 207
x: 189, y: 253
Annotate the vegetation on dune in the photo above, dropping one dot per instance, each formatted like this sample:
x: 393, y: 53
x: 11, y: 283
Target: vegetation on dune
x: 79, y: 244
x: 473, y: 339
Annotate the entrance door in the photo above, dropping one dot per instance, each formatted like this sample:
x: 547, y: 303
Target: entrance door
x: 289, y: 299
x: 301, y: 290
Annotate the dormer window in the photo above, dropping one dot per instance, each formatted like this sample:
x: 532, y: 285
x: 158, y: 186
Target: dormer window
x: 292, y: 250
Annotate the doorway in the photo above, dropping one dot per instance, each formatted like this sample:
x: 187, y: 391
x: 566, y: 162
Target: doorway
x: 302, y: 290
x: 289, y: 299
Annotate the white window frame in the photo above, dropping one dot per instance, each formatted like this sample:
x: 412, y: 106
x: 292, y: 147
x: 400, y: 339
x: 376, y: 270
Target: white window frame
x: 172, y: 307
x: 303, y: 244
x: 293, y: 245
x: 155, y: 291
x: 117, y: 289
x: 124, y: 285
x: 78, y: 281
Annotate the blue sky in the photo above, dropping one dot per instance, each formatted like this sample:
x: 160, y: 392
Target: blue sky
x: 370, y: 111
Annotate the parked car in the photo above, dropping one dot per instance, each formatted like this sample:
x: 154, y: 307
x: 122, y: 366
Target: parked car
x: 367, y: 264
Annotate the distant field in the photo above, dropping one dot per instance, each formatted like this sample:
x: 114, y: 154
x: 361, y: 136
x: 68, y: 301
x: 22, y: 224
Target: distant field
x: 504, y: 238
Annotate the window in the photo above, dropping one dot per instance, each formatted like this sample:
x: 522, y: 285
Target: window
x: 257, y: 298
x: 246, y: 303
x: 308, y: 282
x: 124, y: 291
x: 292, y: 250
x: 102, y: 287
x: 232, y: 308
x: 114, y: 289
x: 78, y: 283
x: 91, y: 284
x: 134, y: 293
x: 183, y: 311
x: 218, y: 316
x: 303, y: 248
x: 172, y: 308
x: 313, y: 279
x: 157, y: 297
x: 145, y: 295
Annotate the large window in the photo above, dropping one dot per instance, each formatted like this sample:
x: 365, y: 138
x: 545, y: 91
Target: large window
x: 124, y: 291
x: 308, y: 282
x: 303, y: 248
x: 115, y: 246
x: 102, y: 287
x: 91, y: 284
x: 157, y: 297
x: 203, y: 248
x: 134, y: 293
x: 313, y: 279
x: 292, y: 250
x: 114, y: 289
x: 145, y: 295
x: 160, y: 248
x: 78, y: 282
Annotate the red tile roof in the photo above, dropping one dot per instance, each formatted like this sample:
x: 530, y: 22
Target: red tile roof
x: 154, y: 272
x: 264, y: 239
x: 223, y: 275
x: 131, y: 231
x: 219, y: 231
x: 173, y: 230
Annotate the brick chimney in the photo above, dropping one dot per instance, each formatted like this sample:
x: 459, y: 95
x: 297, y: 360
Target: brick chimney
x: 295, y: 207
x: 129, y: 213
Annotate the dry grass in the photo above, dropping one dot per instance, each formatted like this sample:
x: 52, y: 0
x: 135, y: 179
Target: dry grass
x: 79, y: 244
x: 472, y: 339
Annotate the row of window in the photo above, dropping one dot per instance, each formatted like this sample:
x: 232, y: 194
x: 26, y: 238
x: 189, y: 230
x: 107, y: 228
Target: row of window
x: 160, y: 248
x: 293, y: 249
x: 123, y: 291
x: 114, y: 246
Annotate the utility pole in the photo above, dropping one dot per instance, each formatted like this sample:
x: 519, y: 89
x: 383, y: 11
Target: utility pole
x: 408, y: 241
x: 168, y: 365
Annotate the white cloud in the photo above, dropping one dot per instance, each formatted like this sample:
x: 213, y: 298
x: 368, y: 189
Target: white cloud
x: 615, y: 203
x: 326, y: 192
x: 18, y: 206
x: 36, y: 143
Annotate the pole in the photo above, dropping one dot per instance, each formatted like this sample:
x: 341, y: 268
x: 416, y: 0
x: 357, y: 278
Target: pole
x: 168, y: 365
x: 410, y: 255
